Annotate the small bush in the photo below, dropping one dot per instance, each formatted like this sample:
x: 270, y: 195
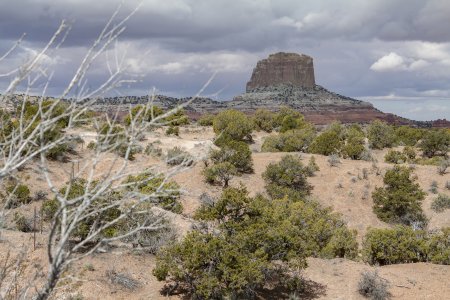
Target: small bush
x: 399, y: 201
x: 22, y: 224
x: 393, y: 246
x: 435, y: 142
x: 285, y: 176
x: 206, y: 120
x: 447, y: 185
x: 329, y: 141
x: 237, y: 153
x: 373, y: 286
x: 220, y: 173
x: 123, y: 280
x: 264, y: 120
x: 18, y: 194
x: 380, y: 135
x: 333, y: 160
x: 152, y: 149
x: 395, y: 157
x: 441, y: 203
x: 434, y: 187
x: 177, y: 156
x: 165, y: 194
x: 297, y: 140
x: 442, y: 168
x: 312, y: 167
x: 232, y: 124
x: 173, y: 130
x: 438, y: 246
x: 409, y: 152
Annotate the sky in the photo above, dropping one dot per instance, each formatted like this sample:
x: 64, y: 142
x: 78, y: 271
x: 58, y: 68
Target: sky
x: 393, y: 53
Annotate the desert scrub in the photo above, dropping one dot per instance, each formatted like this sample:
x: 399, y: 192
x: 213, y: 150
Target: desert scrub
x: 173, y: 130
x: 334, y: 160
x: 177, y: 156
x: 295, y: 140
x: 372, y: 286
x: 401, y: 244
x: 288, y: 176
x: 22, y: 223
x: 220, y: 173
x: 399, y: 200
x: 206, y: 120
x: 433, y: 187
x: 165, y: 193
x: 441, y: 203
x: 312, y: 167
x: 237, y: 153
x: 17, y: 195
x: 395, y: 157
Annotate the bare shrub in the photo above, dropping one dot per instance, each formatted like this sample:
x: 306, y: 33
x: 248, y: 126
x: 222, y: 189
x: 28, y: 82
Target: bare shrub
x: 334, y: 160
x: 442, y: 168
x: 441, y: 203
x: 372, y: 286
x: 123, y: 280
x: 177, y: 156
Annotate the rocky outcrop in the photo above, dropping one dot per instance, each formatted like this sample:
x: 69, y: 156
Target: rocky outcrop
x: 283, y: 68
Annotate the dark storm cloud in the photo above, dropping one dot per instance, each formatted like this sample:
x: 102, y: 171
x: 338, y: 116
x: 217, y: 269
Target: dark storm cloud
x: 374, y: 48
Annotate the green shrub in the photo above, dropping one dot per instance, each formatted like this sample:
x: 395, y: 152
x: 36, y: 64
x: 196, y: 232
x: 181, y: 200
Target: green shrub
x: 354, y: 142
x: 373, y: 286
x: 165, y: 193
x: 329, y: 141
x: 409, y: 152
x: 206, y: 120
x: 438, y: 246
x: 177, y: 118
x: 22, y: 224
x: 143, y: 113
x: 380, y: 135
x: 441, y: 203
x: 435, y: 142
x: 288, y: 119
x: 254, y: 237
x: 173, y: 130
x: 341, y: 244
x: 235, y: 152
x: 399, y: 201
x: 287, y: 176
x: 297, y: 140
x: 95, y: 219
x: 312, y: 166
x: 49, y: 209
x: 433, y: 187
x: 17, y: 195
x: 220, y: 173
x: 232, y: 124
x: 395, y: 157
x: 407, y: 135
x: 264, y: 120
x: 393, y: 246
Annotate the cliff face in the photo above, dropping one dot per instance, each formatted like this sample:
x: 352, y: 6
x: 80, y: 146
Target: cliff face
x: 283, y: 68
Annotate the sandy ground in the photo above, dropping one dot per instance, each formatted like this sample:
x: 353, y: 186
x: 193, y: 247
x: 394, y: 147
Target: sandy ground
x: 342, y: 188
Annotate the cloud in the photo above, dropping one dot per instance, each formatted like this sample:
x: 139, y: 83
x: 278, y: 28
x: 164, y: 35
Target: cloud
x: 389, y: 62
x: 360, y: 48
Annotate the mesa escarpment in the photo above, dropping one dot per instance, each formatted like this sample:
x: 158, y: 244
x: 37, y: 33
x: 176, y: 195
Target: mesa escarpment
x: 282, y: 79
x: 283, y: 68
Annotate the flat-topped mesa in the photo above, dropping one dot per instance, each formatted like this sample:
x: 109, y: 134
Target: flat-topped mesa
x: 283, y: 68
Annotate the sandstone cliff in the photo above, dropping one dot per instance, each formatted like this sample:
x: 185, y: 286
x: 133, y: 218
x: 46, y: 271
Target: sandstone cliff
x: 283, y: 68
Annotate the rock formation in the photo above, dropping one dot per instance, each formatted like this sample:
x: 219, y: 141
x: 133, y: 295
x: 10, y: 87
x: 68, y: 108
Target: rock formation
x: 283, y: 68
x: 282, y: 79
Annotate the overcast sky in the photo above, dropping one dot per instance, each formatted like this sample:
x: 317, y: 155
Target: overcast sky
x: 394, y: 53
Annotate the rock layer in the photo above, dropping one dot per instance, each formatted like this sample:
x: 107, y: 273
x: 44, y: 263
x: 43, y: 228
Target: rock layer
x: 283, y: 68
